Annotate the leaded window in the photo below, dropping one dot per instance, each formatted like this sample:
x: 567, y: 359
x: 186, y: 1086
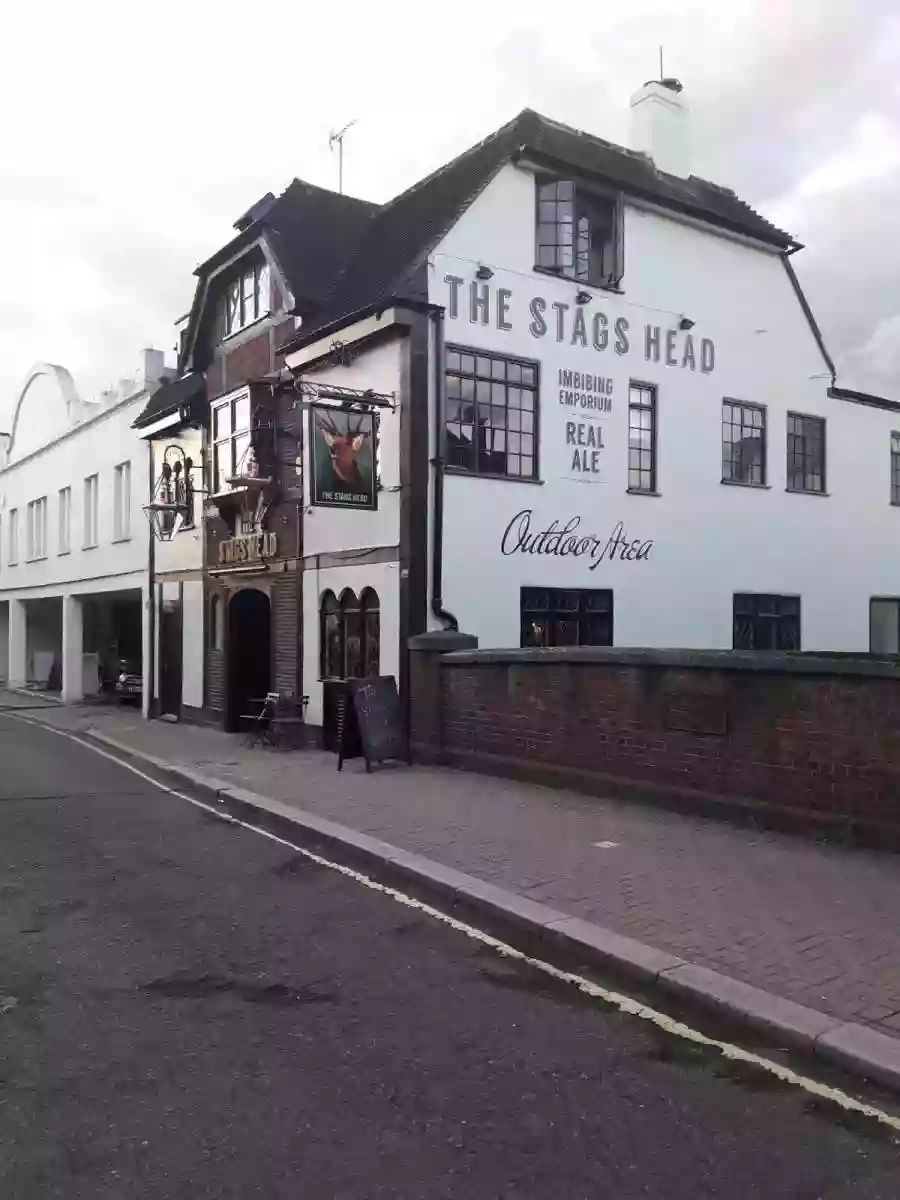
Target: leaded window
x: 245, y: 299
x: 350, y: 635
x: 566, y: 616
x: 492, y: 413
x: 766, y: 622
x: 578, y: 233
x: 641, y: 438
x: 743, y: 443
x: 805, y: 453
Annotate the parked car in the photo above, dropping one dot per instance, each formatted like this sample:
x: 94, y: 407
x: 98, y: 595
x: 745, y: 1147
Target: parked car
x: 129, y: 682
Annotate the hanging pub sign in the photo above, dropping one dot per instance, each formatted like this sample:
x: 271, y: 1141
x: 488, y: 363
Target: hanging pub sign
x: 343, y: 457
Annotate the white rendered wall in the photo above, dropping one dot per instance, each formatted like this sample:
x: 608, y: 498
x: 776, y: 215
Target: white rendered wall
x: 709, y: 540
x: 192, y: 643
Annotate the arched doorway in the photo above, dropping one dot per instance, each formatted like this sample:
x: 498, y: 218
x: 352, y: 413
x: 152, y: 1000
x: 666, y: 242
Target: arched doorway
x: 249, y: 653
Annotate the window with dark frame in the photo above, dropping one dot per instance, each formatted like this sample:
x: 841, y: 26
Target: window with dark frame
x: 641, y: 438
x: 231, y: 439
x: 566, y: 616
x: 805, y: 453
x: 349, y: 635
x: 884, y: 625
x: 245, y: 300
x: 578, y: 233
x: 492, y: 413
x: 766, y: 622
x: 743, y: 443
x: 895, y: 468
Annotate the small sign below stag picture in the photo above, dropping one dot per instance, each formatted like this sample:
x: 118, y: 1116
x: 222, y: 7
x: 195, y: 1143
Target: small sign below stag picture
x: 343, y: 457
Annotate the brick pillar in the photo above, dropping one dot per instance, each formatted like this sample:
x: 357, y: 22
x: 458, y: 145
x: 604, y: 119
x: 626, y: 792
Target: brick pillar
x: 426, y: 689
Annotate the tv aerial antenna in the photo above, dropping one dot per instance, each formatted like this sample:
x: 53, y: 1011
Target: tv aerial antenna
x: 336, y: 137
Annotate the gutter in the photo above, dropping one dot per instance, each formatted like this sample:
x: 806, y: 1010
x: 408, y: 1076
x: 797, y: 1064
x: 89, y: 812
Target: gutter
x: 448, y: 620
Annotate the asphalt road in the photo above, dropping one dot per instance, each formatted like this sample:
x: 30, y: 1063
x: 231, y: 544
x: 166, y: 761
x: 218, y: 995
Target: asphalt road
x: 188, y: 1009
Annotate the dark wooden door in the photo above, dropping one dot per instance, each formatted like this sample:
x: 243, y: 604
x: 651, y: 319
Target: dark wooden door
x: 170, y: 650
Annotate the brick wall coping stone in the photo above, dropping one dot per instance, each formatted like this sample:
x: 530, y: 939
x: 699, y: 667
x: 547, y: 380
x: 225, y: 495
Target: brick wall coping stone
x: 761, y: 662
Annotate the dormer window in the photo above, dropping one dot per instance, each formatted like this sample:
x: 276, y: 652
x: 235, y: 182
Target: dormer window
x: 579, y: 233
x: 246, y: 299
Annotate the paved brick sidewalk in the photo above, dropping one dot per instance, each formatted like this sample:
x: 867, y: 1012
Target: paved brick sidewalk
x: 813, y: 923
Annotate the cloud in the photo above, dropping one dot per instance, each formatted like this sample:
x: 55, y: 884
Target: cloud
x: 129, y: 153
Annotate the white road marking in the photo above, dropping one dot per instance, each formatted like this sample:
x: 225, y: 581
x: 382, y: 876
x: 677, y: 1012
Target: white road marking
x: 625, y: 1004
x: 605, y: 845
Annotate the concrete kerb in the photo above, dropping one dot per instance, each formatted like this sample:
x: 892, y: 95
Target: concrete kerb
x: 850, y: 1046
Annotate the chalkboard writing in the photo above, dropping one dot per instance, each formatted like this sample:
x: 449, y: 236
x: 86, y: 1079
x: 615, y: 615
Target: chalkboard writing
x: 370, y: 722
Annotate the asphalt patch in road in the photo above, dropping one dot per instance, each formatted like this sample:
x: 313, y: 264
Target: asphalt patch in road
x: 202, y: 987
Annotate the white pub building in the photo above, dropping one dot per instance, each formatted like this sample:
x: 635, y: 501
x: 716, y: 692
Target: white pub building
x: 616, y: 421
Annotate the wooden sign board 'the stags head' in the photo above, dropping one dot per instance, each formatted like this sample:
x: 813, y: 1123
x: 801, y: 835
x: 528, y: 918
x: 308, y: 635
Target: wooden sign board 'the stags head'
x: 343, y: 457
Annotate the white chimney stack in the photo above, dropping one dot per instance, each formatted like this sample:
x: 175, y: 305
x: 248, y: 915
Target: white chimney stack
x: 660, y: 126
x: 154, y: 366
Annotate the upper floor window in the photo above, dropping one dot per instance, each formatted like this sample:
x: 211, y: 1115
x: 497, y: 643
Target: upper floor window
x: 766, y: 622
x: 122, y: 502
x: 805, y: 453
x: 743, y: 443
x: 13, y: 536
x: 91, y: 510
x: 36, y: 529
x: 578, y: 233
x: 65, y: 520
x: 566, y: 616
x: 641, y: 438
x: 246, y: 299
x: 231, y: 440
x: 491, y: 423
x: 895, y: 468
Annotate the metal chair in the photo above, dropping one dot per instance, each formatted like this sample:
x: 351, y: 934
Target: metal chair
x: 261, y: 732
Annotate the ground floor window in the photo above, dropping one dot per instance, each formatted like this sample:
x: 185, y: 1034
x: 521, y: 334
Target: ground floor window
x: 566, y: 617
x: 350, y: 634
x: 766, y: 622
x: 884, y: 625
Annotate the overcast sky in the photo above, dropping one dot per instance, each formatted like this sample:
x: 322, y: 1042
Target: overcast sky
x: 129, y: 146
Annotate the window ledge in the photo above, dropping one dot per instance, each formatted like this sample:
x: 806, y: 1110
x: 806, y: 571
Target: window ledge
x: 805, y: 492
x: 743, y: 483
x: 463, y: 474
x: 236, y: 333
x: 641, y: 492
x: 62, y: 553
x: 118, y: 541
x: 596, y: 287
x: 89, y: 546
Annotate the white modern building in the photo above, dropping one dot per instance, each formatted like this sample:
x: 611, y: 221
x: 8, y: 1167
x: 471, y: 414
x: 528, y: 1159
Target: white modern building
x: 74, y: 544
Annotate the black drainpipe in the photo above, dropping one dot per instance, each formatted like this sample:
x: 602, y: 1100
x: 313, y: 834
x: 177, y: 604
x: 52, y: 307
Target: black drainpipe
x: 437, y: 540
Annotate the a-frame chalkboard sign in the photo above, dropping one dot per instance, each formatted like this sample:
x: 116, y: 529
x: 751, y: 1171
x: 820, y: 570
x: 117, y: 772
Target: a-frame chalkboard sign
x: 370, y: 722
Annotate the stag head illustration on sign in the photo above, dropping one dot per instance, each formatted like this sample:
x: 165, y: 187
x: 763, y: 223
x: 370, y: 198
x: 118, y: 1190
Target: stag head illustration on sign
x: 343, y: 457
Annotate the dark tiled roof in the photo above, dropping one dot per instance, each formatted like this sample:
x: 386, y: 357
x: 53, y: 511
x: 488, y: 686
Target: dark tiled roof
x: 400, y: 234
x: 170, y: 396
x: 311, y: 230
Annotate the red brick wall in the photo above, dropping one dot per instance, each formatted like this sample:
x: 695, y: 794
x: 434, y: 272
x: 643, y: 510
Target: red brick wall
x: 250, y: 360
x: 819, y: 739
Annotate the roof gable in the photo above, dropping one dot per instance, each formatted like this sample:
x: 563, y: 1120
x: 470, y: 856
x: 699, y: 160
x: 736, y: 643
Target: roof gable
x: 402, y: 233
